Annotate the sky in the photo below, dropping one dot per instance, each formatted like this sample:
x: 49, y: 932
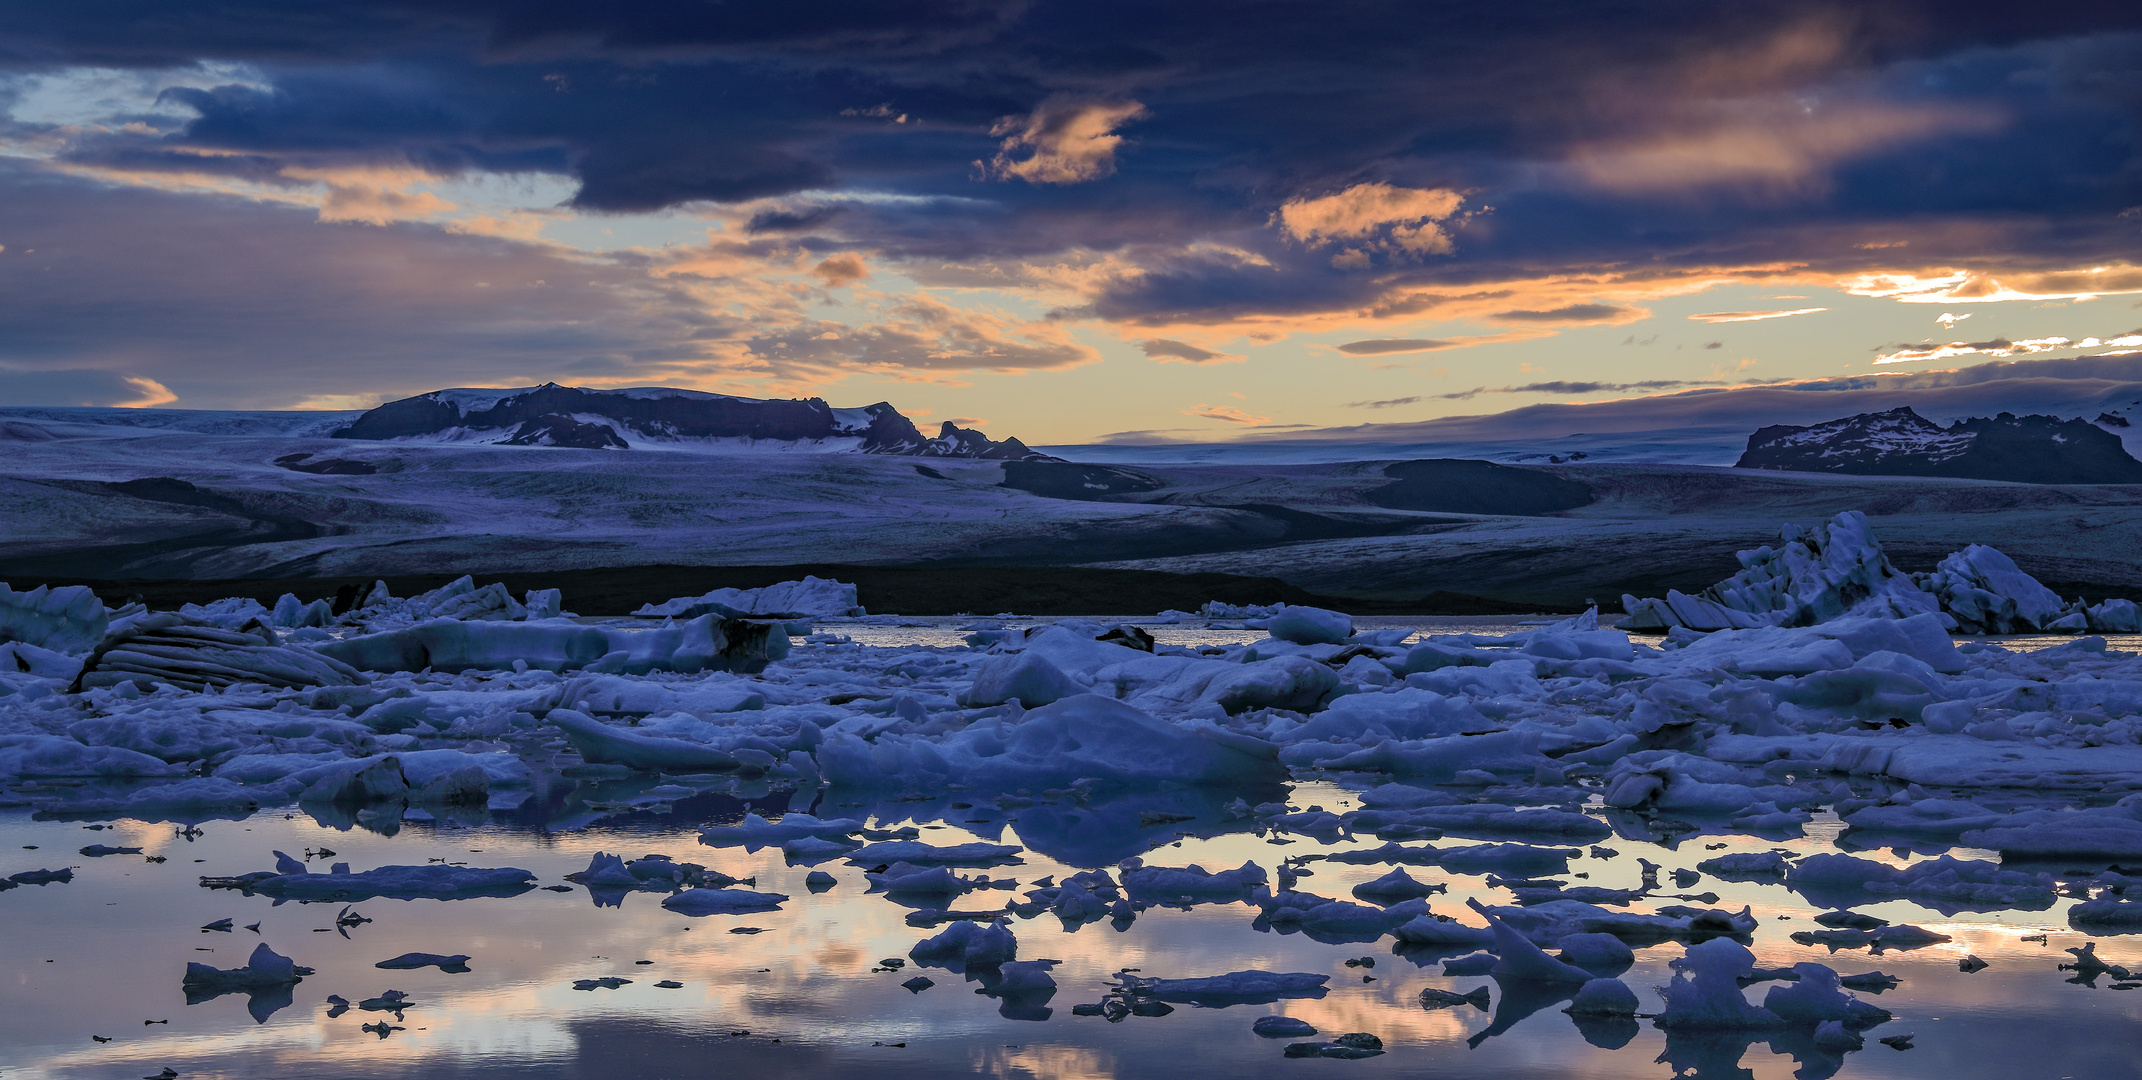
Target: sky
x: 1065, y: 222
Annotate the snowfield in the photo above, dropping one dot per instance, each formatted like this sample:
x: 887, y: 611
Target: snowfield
x: 108, y: 494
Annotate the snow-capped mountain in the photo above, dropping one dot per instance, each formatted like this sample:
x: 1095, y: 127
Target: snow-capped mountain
x: 2033, y: 449
x: 663, y: 418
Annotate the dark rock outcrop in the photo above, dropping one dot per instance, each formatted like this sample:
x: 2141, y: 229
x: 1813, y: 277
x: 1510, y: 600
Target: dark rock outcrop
x: 578, y: 417
x: 2023, y: 449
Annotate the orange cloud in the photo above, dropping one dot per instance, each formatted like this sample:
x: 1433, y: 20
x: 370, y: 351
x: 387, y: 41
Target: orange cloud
x: 1398, y: 219
x: 1994, y: 286
x: 846, y: 268
x: 153, y: 393
x: 1750, y: 316
x: 1774, y: 146
x: 1227, y: 413
x: 1071, y: 141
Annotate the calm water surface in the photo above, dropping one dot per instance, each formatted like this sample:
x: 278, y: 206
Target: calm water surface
x: 798, y: 996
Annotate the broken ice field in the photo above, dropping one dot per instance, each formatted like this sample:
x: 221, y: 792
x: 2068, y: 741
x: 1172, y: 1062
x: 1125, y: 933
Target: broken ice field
x: 1824, y: 818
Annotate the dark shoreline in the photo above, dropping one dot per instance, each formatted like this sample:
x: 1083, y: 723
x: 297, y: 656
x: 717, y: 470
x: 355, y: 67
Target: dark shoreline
x: 927, y: 590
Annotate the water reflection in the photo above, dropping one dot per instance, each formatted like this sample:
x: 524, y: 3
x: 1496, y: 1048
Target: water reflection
x: 800, y: 990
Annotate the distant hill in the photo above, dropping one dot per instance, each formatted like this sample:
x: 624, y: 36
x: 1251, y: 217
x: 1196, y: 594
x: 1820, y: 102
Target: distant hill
x: 580, y: 418
x: 2024, y: 449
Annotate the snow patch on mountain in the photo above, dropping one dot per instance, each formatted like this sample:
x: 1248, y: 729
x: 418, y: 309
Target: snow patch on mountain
x: 2034, y: 449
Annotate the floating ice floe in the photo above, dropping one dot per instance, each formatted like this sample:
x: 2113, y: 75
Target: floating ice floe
x: 812, y: 597
x: 454, y: 964
x: 1233, y: 988
x: 267, y: 980
x: 291, y: 880
x: 698, y: 902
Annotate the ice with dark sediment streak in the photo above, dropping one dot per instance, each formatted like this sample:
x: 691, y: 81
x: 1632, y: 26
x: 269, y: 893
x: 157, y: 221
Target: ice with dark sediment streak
x: 1233, y: 988
x: 437, y: 881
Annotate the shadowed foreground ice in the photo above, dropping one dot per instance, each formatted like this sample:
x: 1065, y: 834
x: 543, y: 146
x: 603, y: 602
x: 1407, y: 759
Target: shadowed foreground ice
x: 465, y: 832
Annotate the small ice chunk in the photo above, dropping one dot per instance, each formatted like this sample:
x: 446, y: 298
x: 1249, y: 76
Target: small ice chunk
x: 265, y: 967
x: 698, y: 902
x: 1705, y: 993
x: 1597, y: 952
x: 965, y: 945
x: 1026, y: 677
x: 1282, y: 1027
x: 454, y: 964
x: 1604, y: 997
x: 1437, y: 998
x: 1815, y: 997
x: 1310, y: 626
x: 1394, y: 887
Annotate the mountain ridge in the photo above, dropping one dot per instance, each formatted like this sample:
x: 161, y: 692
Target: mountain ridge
x: 588, y: 419
x: 2030, y: 449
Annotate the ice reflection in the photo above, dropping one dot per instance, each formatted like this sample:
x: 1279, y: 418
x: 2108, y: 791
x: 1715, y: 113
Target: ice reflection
x: 801, y: 990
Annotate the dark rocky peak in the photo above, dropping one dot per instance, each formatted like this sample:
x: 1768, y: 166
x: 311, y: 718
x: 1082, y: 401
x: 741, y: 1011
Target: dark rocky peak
x: 955, y: 441
x: 2033, y: 449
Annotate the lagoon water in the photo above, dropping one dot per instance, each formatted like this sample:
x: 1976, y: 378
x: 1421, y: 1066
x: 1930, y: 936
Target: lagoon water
x: 800, y: 992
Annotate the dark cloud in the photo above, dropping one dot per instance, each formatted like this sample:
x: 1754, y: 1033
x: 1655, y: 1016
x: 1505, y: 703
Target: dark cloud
x: 1381, y: 346
x: 1388, y: 403
x: 1571, y: 313
x: 2064, y: 387
x: 1597, y: 142
x: 803, y: 219
x: 79, y: 386
x: 1169, y: 349
x: 1579, y: 388
x: 919, y: 335
x: 238, y: 304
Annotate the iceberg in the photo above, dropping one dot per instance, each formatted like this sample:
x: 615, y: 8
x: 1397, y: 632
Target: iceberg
x: 1813, y: 576
x: 69, y: 619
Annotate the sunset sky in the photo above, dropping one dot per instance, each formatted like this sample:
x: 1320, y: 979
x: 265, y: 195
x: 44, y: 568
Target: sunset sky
x: 1066, y: 222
